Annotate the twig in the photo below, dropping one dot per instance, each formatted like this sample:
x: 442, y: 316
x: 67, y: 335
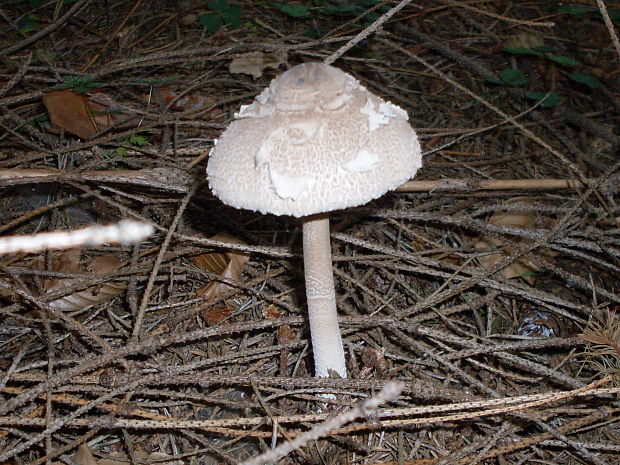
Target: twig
x: 179, y: 181
x: 172, y: 179
x: 366, y: 32
x: 609, y: 24
x: 389, y: 392
x: 469, y: 185
x: 480, y: 11
x: 124, y: 232
x: 137, y: 328
x: 47, y: 30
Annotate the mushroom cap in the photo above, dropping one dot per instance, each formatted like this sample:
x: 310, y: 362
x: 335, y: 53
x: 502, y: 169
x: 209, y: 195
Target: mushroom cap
x: 314, y: 141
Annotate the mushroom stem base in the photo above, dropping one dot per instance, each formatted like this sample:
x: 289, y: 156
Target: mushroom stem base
x: 326, y: 340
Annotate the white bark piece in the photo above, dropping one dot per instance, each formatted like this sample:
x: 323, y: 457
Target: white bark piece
x: 124, y: 232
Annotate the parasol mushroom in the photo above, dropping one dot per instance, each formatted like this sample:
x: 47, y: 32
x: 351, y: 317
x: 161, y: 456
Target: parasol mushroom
x: 314, y: 141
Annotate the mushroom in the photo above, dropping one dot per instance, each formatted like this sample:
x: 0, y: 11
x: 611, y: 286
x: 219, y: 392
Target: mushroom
x: 314, y: 141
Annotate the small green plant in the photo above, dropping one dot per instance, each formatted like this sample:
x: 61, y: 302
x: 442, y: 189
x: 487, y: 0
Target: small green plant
x: 579, y: 11
x: 549, y: 99
x: 79, y: 84
x: 162, y: 81
x: 133, y: 140
x: 45, y: 55
x: 42, y: 121
x: 543, y: 51
x: 221, y: 13
x: 588, y: 81
x: 352, y: 8
x: 512, y: 77
x: 28, y: 24
x: 295, y: 10
x: 547, y: 52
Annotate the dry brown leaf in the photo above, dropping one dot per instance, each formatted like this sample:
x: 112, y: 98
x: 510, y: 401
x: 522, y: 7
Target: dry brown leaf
x: 91, y: 296
x: 84, y: 456
x: 85, y: 115
x: 188, y: 101
x: 272, y: 312
x: 69, y: 110
x: 285, y: 334
x: 214, y: 315
x: 255, y: 64
x: 228, y: 265
x: 69, y: 262
x: 523, y: 267
x: 525, y: 40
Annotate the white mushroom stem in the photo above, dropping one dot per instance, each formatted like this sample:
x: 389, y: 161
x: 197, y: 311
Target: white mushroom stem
x: 326, y: 340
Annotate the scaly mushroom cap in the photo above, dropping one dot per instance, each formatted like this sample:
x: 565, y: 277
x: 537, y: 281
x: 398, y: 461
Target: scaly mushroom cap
x: 314, y: 141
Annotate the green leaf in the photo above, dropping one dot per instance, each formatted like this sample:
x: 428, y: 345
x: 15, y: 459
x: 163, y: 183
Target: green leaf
x: 232, y: 17
x: 519, y: 82
x: 574, y: 10
x: 295, y: 10
x: 28, y: 24
x: 121, y: 151
x: 78, y: 83
x: 138, y: 140
x: 552, y: 100
x: 158, y: 81
x: 218, y: 5
x: 342, y: 10
x: 212, y: 21
x: 251, y: 26
x: 493, y: 80
x: 42, y: 121
x: 545, y: 49
x: 562, y: 60
x: 315, y: 33
x: 512, y: 75
x: 522, y: 51
x: 43, y: 54
x: 614, y: 14
x: 589, y: 81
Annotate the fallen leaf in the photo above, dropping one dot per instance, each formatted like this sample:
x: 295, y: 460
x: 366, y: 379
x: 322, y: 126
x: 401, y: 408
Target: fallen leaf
x: 272, y: 312
x: 228, y: 265
x: 525, y: 40
x: 91, y: 296
x: 374, y: 358
x: 285, y: 334
x: 85, y: 115
x: 188, y: 101
x: 523, y: 267
x: 255, y: 64
x: 215, y: 315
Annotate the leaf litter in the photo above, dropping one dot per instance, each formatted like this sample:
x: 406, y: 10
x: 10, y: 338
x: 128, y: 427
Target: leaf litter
x: 476, y: 299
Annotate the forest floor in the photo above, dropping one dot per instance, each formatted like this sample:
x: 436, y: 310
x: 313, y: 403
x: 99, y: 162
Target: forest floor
x: 488, y: 285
